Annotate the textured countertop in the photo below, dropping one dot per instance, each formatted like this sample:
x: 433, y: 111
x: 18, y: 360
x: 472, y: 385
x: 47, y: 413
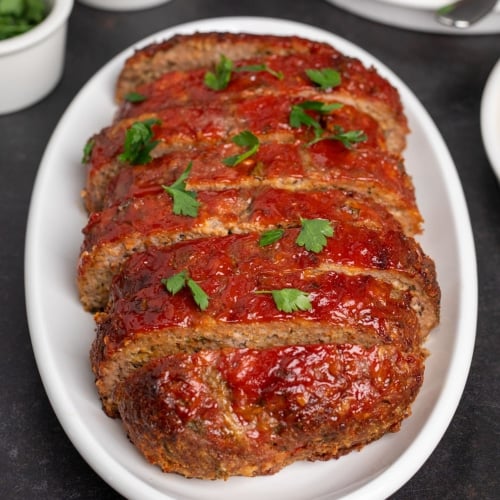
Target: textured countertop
x: 447, y: 73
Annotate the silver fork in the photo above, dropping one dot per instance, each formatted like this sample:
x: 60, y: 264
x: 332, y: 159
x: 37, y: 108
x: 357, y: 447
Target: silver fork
x: 464, y: 13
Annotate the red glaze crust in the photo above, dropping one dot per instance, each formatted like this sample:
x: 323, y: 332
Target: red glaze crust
x: 249, y: 412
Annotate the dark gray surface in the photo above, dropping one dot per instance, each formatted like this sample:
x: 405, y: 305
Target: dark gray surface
x: 447, y: 74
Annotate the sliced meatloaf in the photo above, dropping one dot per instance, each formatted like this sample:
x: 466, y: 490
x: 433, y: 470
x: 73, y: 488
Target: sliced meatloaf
x: 191, y: 127
x: 187, y: 52
x: 365, y: 236
x: 280, y: 76
x: 281, y: 316
x: 143, y: 320
x: 251, y: 412
x: 204, y: 50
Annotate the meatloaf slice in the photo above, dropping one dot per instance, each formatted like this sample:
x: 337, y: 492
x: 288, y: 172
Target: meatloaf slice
x: 187, y: 52
x: 191, y: 127
x: 114, y: 234
x: 325, y: 164
x: 143, y: 320
x: 284, y: 166
x: 216, y: 414
x: 286, y: 76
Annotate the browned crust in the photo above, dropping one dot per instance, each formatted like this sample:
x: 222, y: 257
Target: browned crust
x: 218, y: 430
x: 103, y: 256
x: 187, y: 52
x: 404, y: 306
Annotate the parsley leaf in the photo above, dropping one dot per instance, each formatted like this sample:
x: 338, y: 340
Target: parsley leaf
x: 299, y: 116
x: 326, y: 78
x: 220, y: 79
x: 87, y: 150
x: 185, y: 202
x: 289, y: 299
x: 139, y: 143
x: 243, y: 139
x: 178, y: 281
x: 314, y: 233
x: 347, y: 138
x: 270, y: 237
x: 135, y: 97
x: 261, y: 67
x: 199, y: 295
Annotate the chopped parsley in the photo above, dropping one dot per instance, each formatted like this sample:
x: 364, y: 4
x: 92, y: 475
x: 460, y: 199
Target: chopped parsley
x: 87, y: 150
x: 244, y: 139
x: 299, y: 115
x: 270, y: 237
x: 289, y: 299
x: 184, y: 201
x: 220, y: 79
x: 139, y: 142
x: 178, y: 281
x: 261, y: 67
x: 347, y: 138
x: 135, y: 97
x: 19, y: 16
x: 314, y: 233
x: 326, y: 78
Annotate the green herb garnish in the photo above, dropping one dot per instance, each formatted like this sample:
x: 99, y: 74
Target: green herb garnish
x: 87, y: 150
x: 139, y: 142
x: 289, y: 299
x: 19, y: 16
x: 184, y: 201
x: 299, y: 115
x: 326, y: 78
x: 347, y: 138
x: 178, y: 281
x: 135, y: 97
x: 220, y: 79
x: 270, y: 237
x: 261, y: 67
x: 244, y: 139
x: 314, y: 233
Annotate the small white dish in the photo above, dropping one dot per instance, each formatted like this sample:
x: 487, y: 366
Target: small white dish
x: 31, y: 64
x: 416, y: 15
x: 490, y: 118
x: 423, y: 4
x: 123, y: 4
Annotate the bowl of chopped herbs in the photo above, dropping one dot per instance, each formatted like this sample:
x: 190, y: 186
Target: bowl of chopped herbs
x: 32, y: 50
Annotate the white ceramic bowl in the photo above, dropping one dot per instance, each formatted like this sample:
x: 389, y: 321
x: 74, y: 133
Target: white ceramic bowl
x: 123, y: 4
x: 31, y: 64
x: 490, y: 118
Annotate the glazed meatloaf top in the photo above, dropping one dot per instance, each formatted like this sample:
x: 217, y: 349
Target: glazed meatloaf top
x: 250, y: 255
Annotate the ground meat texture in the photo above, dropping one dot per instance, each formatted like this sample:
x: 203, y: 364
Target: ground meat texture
x: 148, y: 221
x: 143, y: 320
x: 238, y: 384
x: 249, y: 412
x: 280, y: 162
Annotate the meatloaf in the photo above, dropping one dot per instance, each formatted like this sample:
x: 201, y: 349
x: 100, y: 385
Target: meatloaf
x: 250, y: 255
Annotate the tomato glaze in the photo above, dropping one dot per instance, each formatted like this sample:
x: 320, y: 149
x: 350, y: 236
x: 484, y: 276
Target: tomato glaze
x: 324, y: 165
x: 215, y: 123
x: 231, y: 269
x: 179, y: 87
x: 307, y: 389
